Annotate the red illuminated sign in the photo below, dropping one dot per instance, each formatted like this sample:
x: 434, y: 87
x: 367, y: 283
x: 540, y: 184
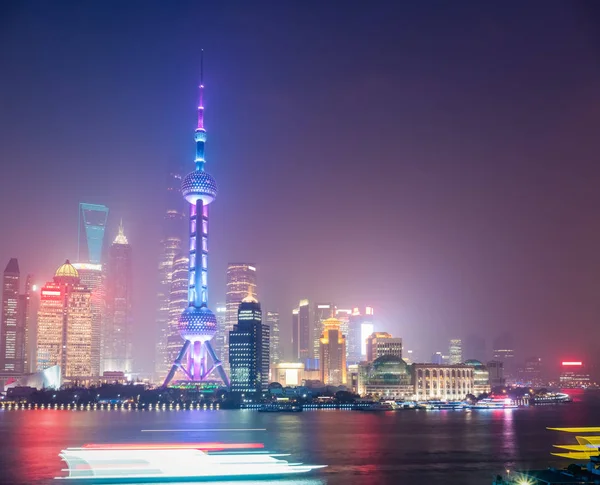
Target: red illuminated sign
x: 573, y: 364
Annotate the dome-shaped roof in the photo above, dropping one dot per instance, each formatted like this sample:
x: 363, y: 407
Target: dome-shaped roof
x: 66, y: 273
x: 474, y: 363
x: 199, y: 185
x: 390, y: 363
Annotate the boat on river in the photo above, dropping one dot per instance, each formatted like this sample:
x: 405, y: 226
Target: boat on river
x: 175, y: 462
x: 494, y: 403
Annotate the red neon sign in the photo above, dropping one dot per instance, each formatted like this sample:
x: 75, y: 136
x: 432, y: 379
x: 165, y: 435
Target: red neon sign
x: 578, y: 364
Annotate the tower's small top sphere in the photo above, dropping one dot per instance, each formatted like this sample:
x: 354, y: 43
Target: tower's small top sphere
x: 198, y: 185
x: 67, y: 274
x: 197, y: 324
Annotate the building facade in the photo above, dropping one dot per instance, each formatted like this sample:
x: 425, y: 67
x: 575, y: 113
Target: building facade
x: 275, y: 349
x: 249, y: 349
x: 496, y: 372
x: 455, y: 351
x: 241, y: 280
x: 360, y: 326
x: 65, y: 325
x: 382, y: 343
x: 305, y: 344
x: 386, y: 377
x: 117, y: 335
x: 444, y: 382
x: 12, y: 331
x: 481, y: 377
x: 170, y: 245
x: 332, y: 354
x: 321, y: 312
x: 178, y: 301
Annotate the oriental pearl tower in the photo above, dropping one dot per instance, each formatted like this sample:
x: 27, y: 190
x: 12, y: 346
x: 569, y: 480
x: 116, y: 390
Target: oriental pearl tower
x: 197, y: 324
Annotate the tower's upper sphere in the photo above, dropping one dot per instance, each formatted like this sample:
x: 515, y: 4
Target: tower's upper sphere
x: 199, y: 185
x: 197, y: 324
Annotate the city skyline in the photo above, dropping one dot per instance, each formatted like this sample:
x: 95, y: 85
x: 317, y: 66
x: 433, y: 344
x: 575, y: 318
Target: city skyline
x: 475, y: 223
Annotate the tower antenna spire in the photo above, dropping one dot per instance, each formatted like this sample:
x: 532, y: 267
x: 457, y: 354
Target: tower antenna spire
x: 201, y: 100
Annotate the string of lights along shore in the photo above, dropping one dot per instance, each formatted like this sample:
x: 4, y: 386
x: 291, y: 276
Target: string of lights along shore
x: 77, y: 328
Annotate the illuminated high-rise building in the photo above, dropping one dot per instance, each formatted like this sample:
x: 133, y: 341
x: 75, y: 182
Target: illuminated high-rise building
x: 503, y: 351
x: 455, y: 351
x: 12, y: 334
x: 241, y: 278
x: 274, y: 350
x: 343, y: 315
x: 171, y: 244
x: 117, y: 334
x: 65, y: 325
x: 220, y: 312
x: 197, y: 324
x: 332, y: 353
x: 322, y: 311
x: 305, y: 344
x: 359, y: 328
x: 382, y: 343
x: 296, y: 334
x: 26, y: 325
x: 249, y: 349
x: 178, y: 302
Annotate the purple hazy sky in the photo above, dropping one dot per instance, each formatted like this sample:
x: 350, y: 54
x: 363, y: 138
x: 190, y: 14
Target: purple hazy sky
x: 438, y: 161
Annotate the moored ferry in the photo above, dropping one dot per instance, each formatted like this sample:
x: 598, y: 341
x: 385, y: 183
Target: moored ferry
x: 175, y: 462
x: 494, y: 403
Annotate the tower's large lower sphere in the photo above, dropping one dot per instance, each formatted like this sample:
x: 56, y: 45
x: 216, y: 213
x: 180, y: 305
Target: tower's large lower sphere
x: 199, y: 185
x: 197, y: 324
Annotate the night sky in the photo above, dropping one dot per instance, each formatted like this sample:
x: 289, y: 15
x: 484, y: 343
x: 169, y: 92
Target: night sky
x: 438, y: 161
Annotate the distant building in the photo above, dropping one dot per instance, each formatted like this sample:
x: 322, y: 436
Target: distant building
x: 496, y: 372
x: 65, y: 325
x: 455, y: 351
x: 437, y: 358
x: 241, y: 278
x: 117, y: 334
x: 249, y: 349
x: 386, y: 377
x: 178, y: 302
x: 445, y: 382
x: 12, y: 330
x: 273, y: 323
x: 296, y: 334
x: 530, y: 373
x: 305, y: 350
x: 382, y: 343
x: 220, y: 338
x: 360, y: 326
x: 170, y: 245
x: 474, y: 348
x: 343, y: 315
x: 289, y: 373
x: 481, y: 377
x: 27, y: 326
x: 574, y: 374
x: 503, y: 351
x: 332, y: 355
x: 322, y: 311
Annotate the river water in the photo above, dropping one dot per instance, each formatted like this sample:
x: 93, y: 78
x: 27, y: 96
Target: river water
x: 402, y: 447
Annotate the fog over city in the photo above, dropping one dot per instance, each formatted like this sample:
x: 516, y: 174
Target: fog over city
x: 437, y: 161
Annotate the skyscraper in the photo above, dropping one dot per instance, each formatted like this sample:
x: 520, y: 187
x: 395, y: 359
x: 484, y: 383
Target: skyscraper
x: 25, y: 325
x: 65, y: 325
x: 296, y: 334
x: 117, y: 338
x: 197, y: 324
x: 91, y: 234
x: 93, y: 277
x: 12, y: 335
x: 322, y: 311
x: 360, y: 327
x: 178, y: 302
x: 249, y: 349
x: 274, y: 350
x: 241, y: 278
x: 455, y: 351
x: 220, y: 338
x: 332, y: 353
x: 171, y: 245
x: 305, y: 349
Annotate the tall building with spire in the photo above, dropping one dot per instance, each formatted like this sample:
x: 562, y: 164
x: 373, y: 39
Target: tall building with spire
x: 12, y: 336
x: 171, y: 245
x: 197, y: 324
x: 65, y: 325
x: 241, y: 278
x: 117, y: 338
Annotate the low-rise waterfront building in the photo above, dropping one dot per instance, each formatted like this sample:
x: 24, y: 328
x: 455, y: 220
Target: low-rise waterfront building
x: 444, y: 382
x: 481, y: 377
x: 388, y: 376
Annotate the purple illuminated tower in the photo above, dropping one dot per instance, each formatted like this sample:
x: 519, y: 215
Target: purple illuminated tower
x: 197, y: 324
